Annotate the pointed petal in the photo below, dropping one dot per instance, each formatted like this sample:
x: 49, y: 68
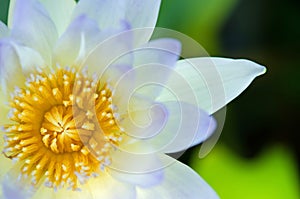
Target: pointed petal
x: 60, y: 12
x: 138, y: 14
x: 16, y: 61
x: 27, y: 16
x: 213, y: 81
x: 179, y: 182
x: 185, y: 127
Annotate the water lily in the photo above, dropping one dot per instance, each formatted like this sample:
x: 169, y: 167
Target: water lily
x: 79, y: 120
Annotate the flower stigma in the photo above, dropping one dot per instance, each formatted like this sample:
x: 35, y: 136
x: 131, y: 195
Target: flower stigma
x: 63, y: 128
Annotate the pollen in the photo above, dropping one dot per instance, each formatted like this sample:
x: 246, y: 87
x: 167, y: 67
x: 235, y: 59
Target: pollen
x: 63, y: 128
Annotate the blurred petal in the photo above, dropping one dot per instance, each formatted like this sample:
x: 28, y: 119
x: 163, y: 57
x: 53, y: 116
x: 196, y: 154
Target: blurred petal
x: 186, y: 126
x: 138, y: 14
x: 44, y: 193
x: 179, y: 182
x: 27, y: 16
x: 15, y: 187
x: 214, y: 81
x: 60, y: 12
x: 3, y: 30
x: 14, y: 59
x: 6, y: 164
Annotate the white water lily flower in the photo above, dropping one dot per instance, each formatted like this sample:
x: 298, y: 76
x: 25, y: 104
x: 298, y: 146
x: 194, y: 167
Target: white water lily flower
x: 81, y: 121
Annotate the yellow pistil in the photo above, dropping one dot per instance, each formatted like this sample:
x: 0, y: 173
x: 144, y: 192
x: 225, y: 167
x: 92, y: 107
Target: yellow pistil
x: 64, y: 127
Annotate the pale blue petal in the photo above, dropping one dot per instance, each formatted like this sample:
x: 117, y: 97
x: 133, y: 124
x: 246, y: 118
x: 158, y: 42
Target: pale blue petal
x: 112, y: 13
x: 15, y: 188
x: 185, y: 127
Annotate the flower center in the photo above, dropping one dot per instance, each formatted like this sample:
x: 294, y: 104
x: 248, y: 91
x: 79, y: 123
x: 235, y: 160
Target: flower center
x: 63, y: 128
x: 59, y: 132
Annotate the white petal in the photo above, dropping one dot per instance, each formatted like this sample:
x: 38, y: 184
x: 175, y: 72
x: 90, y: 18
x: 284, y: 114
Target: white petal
x: 44, y: 193
x: 103, y: 186
x: 16, y: 61
x: 140, y: 179
x: 179, y: 182
x: 213, y: 81
x: 111, y: 13
x: 186, y: 126
x: 60, y: 12
x: 3, y: 30
x: 32, y: 26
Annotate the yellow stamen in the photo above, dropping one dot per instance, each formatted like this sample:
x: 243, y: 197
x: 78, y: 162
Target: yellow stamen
x: 63, y: 127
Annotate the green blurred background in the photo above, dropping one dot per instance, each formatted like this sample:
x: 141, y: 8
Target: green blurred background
x: 258, y: 153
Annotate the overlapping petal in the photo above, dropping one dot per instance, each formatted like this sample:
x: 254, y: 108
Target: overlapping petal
x: 31, y: 25
x: 112, y: 13
x: 60, y: 12
x: 186, y: 126
x: 83, y: 30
